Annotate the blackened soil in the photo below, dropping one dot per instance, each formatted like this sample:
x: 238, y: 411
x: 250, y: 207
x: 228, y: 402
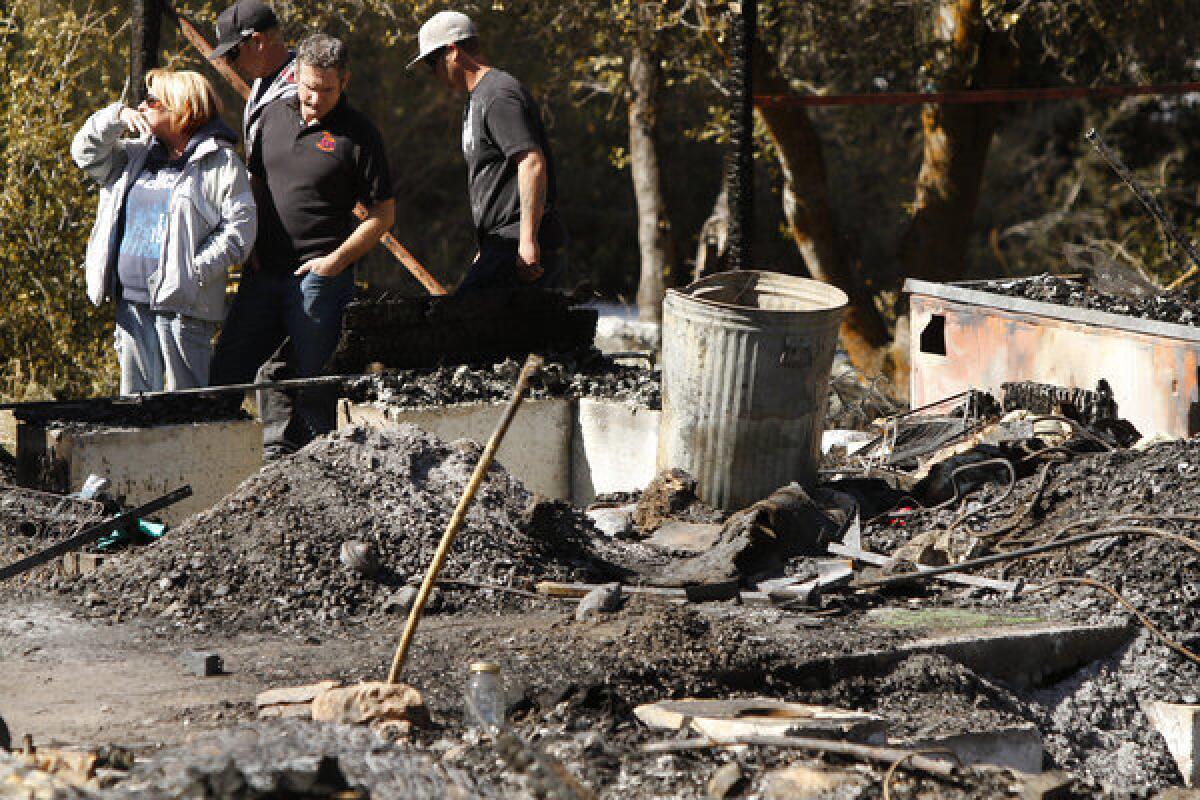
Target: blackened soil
x: 1066, y: 292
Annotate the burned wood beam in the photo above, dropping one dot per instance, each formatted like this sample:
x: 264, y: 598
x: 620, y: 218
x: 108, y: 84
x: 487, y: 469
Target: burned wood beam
x: 146, y: 38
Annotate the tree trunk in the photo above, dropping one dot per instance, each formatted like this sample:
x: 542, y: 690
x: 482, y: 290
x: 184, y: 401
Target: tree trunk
x: 655, y: 243
x: 810, y: 219
x: 146, y: 31
x: 957, y: 139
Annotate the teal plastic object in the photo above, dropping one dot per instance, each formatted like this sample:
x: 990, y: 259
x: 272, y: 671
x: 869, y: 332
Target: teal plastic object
x: 145, y: 532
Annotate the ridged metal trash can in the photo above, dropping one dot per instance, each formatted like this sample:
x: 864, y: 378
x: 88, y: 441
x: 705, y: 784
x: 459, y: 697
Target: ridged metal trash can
x: 746, y: 358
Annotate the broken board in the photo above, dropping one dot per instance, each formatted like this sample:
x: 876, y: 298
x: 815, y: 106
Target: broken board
x: 726, y: 720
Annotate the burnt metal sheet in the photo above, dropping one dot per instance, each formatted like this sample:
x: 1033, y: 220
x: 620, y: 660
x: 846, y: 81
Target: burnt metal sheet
x: 961, y: 293
x: 964, y: 338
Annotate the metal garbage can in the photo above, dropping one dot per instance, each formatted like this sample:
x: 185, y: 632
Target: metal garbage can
x: 746, y: 358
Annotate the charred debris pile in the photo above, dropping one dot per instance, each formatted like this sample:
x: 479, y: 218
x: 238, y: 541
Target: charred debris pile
x: 583, y: 373
x: 337, y: 531
x: 1126, y: 295
x: 334, y: 535
x: 478, y: 328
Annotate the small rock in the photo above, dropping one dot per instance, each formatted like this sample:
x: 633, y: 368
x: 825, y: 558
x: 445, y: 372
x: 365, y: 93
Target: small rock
x: 603, y: 599
x: 202, y: 663
x: 360, y: 557
x: 401, y: 602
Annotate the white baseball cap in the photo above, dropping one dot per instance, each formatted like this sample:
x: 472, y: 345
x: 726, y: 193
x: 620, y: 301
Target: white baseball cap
x: 443, y: 28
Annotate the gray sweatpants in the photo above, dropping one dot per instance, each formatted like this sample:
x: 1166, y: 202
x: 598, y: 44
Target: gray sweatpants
x: 161, y: 350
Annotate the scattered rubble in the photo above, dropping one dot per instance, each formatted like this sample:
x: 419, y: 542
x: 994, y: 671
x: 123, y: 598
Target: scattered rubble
x: 671, y: 495
x: 339, y: 533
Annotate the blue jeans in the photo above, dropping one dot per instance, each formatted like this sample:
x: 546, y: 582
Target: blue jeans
x: 301, y: 319
x: 158, y: 350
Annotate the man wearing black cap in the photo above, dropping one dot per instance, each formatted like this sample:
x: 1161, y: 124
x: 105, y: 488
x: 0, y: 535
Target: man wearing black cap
x: 510, y: 169
x: 250, y: 41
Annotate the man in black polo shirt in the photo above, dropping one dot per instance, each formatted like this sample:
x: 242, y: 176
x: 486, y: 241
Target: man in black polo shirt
x: 313, y: 159
x: 510, y: 169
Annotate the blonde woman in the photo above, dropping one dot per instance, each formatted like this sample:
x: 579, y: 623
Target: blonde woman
x: 175, y: 213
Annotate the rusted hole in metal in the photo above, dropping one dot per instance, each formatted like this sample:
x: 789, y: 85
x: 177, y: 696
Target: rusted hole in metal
x: 933, y: 338
x: 1194, y: 413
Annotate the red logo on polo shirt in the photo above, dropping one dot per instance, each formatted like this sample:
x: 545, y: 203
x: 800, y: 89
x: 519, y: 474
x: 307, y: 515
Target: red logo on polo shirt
x: 326, y: 143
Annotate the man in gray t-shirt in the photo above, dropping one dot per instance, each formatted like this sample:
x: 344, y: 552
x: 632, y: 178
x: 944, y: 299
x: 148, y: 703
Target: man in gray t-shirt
x: 510, y: 169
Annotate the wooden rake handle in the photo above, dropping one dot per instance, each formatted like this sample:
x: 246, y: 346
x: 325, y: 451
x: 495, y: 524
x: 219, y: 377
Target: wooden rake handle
x: 532, y: 364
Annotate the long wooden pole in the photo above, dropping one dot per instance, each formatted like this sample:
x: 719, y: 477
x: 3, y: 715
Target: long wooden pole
x: 193, y: 35
x: 532, y: 365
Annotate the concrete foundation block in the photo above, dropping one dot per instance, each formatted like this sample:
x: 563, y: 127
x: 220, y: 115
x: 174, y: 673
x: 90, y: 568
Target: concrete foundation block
x: 1179, y: 724
x: 613, y: 448
x: 75, y: 564
x: 559, y: 448
x: 144, y: 463
x: 536, y: 448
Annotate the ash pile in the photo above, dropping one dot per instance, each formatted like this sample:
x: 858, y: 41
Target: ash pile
x: 290, y: 758
x: 582, y: 373
x: 477, y: 328
x: 335, y: 531
x: 1138, y: 300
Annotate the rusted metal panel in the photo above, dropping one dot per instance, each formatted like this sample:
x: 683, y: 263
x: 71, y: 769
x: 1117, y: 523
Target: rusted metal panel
x: 964, y: 338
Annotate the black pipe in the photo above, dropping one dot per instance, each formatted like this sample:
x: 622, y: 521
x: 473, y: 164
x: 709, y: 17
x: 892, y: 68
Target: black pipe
x: 741, y: 134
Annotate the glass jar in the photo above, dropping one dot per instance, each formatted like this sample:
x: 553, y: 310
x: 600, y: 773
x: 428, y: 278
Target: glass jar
x: 486, y: 706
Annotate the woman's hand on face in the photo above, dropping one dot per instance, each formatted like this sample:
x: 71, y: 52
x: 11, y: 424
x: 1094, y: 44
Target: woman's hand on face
x: 136, y: 122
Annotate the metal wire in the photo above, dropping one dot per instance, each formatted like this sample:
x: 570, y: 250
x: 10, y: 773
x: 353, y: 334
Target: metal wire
x: 1141, y: 617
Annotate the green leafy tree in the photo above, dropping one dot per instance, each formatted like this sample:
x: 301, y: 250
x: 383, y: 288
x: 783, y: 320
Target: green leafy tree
x: 52, y: 64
